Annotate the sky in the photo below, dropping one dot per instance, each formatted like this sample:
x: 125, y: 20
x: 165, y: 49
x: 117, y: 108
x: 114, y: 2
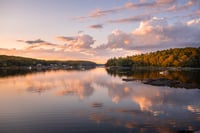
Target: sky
x: 96, y: 30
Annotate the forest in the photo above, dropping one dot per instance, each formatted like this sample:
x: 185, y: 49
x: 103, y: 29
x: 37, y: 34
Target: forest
x: 176, y: 57
x: 15, y: 61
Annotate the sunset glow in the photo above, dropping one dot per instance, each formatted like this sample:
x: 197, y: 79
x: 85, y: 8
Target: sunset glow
x: 96, y: 30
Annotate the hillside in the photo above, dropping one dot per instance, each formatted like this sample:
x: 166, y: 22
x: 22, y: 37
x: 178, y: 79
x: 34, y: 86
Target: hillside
x: 177, y: 57
x: 15, y: 61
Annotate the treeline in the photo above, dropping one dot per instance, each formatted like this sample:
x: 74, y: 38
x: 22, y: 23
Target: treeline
x: 15, y: 61
x: 177, y: 57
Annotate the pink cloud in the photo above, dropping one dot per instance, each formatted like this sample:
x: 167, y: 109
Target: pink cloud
x: 155, y: 34
x: 152, y: 7
x: 99, y: 13
x: 131, y: 19
x: 77, y: 42
x: 165, y: 1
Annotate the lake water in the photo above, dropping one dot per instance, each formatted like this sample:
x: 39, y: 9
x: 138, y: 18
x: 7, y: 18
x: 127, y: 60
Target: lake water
x: 97, y: 100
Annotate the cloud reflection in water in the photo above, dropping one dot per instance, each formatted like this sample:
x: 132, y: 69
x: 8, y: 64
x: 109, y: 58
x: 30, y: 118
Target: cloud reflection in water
x: 131, y: 105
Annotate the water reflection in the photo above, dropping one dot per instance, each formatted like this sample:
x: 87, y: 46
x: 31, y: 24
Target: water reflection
x: 185, y: 78
x: 104, y: 103
x: 76, y: 87
x: 15, y: 72
x: 24, y: 71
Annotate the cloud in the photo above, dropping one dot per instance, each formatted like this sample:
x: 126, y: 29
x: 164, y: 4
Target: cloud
x: 165, y: 1
x: 131, y: 19
x: 80, y: 32
x: 77, y: 42
x: 194, y: 22
x: 78, y: 47
x: 150, y: 35
x: 96, y: 26
x: 20, y: 40
x: 189, y: 15
x: 73, y: 47
x: 40, y: 44
x: 63, y: 52
x: 144, y: 7
x: 44, y: 45
x: 63, y: 38
x: 197, y: 12
x: 118, y: 39
x: 100, y: 13
x: 34, y: 41
x: 54, y: 53
x: 156, y: 34
x: 185, y: 6
x: 105, y: 53
x: 152, y: 4
x: 31, y: 41
x: 131, y: 5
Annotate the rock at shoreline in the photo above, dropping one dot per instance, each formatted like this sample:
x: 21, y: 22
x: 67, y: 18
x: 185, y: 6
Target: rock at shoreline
x: 161, y: 82
x: 169, y: 82
x: 129, y: 79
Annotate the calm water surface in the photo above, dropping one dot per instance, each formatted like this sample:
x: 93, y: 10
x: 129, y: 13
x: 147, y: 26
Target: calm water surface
x: 94, y: 101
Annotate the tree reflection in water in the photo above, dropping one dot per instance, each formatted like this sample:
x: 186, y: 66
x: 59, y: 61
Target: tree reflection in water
x: 104, y: 100
x: 186, y: 78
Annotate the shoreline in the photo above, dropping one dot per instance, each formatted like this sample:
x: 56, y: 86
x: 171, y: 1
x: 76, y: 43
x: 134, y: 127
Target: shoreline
x: 153, y: 68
